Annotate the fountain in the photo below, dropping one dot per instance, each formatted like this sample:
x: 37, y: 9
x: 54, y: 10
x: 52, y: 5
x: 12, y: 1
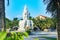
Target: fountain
x: 25, y: 24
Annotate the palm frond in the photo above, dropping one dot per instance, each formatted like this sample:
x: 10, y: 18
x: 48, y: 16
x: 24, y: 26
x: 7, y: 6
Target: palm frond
x: 8, y: 3
x: 51, y: 6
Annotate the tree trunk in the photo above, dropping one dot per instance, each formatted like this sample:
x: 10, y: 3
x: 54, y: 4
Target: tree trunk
x: 58, y: 21
x: 2, y: 15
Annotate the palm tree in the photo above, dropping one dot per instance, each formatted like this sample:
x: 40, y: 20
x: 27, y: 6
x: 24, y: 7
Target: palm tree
x: 54, y: 8
x: 2, y: 15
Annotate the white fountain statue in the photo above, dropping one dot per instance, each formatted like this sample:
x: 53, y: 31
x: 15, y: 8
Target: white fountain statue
x: 25, y: 24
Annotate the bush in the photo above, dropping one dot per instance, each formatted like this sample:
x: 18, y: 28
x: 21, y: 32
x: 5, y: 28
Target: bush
x: 13, y: 35
x: 29, y: 31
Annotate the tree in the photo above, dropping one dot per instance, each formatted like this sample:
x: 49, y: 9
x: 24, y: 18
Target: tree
x: 8, y: 23
x: 54, y: 8
x: 49, y: 22
x: 43, y: 23
x: 15, y: 22
x: 11, y: 23
x: 54, y: 20
x: 30, y: 18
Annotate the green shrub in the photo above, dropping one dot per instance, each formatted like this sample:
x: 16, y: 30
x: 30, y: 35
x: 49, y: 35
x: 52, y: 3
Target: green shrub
x: 13, y: 35
x: 28, y: 31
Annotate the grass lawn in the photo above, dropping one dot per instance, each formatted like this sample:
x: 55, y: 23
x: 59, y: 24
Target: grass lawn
x: 49, y: 38
x: 36, y: 38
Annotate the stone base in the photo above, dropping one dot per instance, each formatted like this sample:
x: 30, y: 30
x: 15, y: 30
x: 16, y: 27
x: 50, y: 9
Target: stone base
x: 46, y: 30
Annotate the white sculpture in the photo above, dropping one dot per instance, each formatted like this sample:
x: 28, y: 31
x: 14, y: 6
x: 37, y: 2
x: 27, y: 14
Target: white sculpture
x: 25, y: 23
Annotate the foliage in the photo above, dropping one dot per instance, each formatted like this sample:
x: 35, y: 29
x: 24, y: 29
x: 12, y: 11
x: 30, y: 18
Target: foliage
x: 16, y: 36
x: 28, y: 31
x: 44, y: 23
x: 13, y: 36
x: 15, y: 22
x: 54, y: 22
x: 8, y: 23
x: 11, y: 23
x: 52, y: 6
x: 2, y: 35
x: 8, y: 3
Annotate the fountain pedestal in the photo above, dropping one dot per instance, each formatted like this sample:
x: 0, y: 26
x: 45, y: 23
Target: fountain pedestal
x: 25, y: 24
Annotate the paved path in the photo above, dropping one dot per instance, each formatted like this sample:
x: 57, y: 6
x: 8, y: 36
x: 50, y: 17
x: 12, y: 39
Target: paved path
x: 40, y: 34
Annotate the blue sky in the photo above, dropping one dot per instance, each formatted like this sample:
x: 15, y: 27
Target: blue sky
x: 16, y: 7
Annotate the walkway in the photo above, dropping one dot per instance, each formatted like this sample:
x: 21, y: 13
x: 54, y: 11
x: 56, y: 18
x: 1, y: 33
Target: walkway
x: 38, y: 35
